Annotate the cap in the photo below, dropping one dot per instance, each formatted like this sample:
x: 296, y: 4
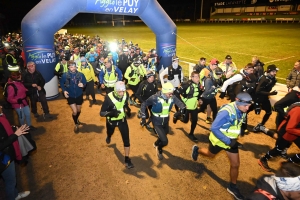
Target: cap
x: 92, y: 49
x: 63, y: 58
x: 174, y: 58
x: 218, y: 71
x: 67, y: 48
x: 120, y: 86
x: 272, y: 68
x: 149, y: 74
x: 167, y: 88
x: 243, y: 99
x: 82, y: 59
x: 228, y: 57
x: 214, y: 61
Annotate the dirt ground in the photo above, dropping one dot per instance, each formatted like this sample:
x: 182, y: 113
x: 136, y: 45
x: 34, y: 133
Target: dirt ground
x: 81, y: 166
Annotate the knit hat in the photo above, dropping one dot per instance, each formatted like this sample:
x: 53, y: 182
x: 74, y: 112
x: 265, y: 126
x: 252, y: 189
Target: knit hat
x: 243, y: 99
x: 82, y: 59
x: 120, y: 86
x: 167, y: 88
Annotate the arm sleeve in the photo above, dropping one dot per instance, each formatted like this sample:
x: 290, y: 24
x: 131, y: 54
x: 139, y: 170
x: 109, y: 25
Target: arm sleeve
x: 230, y: 81
x: 92, y: 71
x: 120, y: 75
x: 138, y: 93
x: 42, y: 80
x: 62, y: 82
x: 221, y: 119
x: 105, y: 106
x: 83, y: 79
x: 293, y: 125
x: 178, y: 103
x: 11, y: 95
x: 127, y: 72
x: 101, y: 77
x: 162, y: 74
x: 288, y: 79
x: 8, y: 141
x: 150, y: 101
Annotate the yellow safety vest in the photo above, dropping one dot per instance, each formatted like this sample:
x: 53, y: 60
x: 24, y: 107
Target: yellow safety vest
x: 230, y: 129
x: 119, y: 106
x: 191, y: 102
x: 110, y: 79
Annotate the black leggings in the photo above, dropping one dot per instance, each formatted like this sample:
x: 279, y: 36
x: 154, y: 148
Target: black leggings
x: 194, y: 119
x: 134, y: 89
x: 266, y: 106
x: 280, y: 145
x: 213, y: 105
x: 89, y: 90
x: 123, y: 128
x: 161, y: 131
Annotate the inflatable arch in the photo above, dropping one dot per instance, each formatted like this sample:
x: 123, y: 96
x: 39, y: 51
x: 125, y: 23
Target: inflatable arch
x: 43, y: 21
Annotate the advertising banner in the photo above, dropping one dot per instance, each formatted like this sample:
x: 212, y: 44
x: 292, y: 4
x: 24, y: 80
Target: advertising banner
x: 120, y: 7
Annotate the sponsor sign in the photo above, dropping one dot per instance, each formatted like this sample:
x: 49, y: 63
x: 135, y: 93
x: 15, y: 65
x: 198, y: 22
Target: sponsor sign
x: 121, y: 7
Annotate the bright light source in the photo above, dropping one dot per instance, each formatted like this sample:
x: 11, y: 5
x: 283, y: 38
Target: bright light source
x: 113, y: 47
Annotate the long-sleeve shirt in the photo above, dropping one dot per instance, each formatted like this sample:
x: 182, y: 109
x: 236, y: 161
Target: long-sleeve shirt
x: 221, y: 119
x: 230, y: 81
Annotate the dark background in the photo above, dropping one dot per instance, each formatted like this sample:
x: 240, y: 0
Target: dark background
x: 15, y: 10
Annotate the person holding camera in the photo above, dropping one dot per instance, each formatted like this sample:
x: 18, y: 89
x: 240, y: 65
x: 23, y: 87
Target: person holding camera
x: 263, y: 91
x: 114, y: 109
x: 225, y: 131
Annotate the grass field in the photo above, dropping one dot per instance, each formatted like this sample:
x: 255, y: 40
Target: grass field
x: 277, y: 44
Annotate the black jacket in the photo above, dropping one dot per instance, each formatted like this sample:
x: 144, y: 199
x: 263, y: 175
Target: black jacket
x: 34, y: 78
x: 146, y: 90
x: 264, y: 87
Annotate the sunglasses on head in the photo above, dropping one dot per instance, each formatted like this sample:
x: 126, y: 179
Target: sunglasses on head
x: 242, y: 101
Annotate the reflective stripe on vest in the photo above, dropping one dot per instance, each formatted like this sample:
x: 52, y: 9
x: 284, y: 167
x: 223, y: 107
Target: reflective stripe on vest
x: 119, y: 106
x: 165, y: 107
x: 231, y: 130
x: 110, y: 78
x: 13, y: 58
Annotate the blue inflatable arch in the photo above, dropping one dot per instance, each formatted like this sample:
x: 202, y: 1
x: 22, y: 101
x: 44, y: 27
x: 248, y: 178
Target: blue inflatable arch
x: 46, y: 18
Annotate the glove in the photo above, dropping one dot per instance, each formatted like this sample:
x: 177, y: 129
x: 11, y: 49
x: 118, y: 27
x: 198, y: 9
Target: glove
x: 114, y: 113
x: 233, y: 143
x: 273, y: 92
x: 143, y: 122
x: 20, y: 101
x: 257, y: 108
x: 128, y: 112
x: 222, y: 95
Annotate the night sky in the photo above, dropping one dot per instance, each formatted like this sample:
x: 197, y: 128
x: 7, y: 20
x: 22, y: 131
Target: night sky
x: 15, y: 10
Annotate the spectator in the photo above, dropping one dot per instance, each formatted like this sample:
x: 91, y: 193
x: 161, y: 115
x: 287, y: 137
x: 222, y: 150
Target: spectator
x: 34, y: 82
x: 228, y: 67
x: 258, y: 67
x: 201, y: 65
x: 10, y: 146
x: 293, y: 79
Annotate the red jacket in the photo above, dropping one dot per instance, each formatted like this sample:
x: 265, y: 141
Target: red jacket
x: 292, y: 129
x: 21, y: 94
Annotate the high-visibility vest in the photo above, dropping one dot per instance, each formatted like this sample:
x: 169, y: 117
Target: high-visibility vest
x: 166, y: 107
x: 13, y: 58
x: 119, y: 106
x: 110, y: 78
x: 191, y: 102
x: 231, y: 129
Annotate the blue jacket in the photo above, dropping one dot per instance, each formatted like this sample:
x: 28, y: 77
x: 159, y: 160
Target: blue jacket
x: 73, y: 80
x: 117, y: 70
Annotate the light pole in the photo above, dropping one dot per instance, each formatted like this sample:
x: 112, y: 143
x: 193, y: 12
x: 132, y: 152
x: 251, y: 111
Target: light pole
x: 201, y: 10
